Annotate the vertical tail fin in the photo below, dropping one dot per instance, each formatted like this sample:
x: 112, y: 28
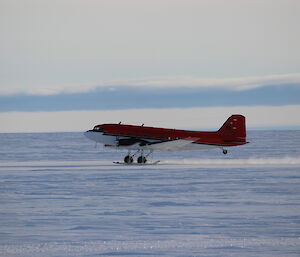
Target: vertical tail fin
x: 234, y: 128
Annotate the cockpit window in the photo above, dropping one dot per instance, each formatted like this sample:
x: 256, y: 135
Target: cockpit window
x: 98, y: 129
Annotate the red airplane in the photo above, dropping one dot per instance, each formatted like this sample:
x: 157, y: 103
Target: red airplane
x: 142, y: 138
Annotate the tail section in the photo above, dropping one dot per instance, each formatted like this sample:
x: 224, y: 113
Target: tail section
x: 234, y: 129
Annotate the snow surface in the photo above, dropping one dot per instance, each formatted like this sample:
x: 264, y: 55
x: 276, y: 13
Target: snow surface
x: 59, y: 196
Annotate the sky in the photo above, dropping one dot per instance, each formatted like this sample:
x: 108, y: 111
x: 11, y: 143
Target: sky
x: 68, y: 65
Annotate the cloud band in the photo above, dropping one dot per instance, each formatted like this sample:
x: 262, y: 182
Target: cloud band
x: 233, y: 84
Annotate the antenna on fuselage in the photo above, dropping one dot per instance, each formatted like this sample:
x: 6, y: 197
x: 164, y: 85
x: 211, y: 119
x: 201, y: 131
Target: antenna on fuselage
x: 119, y: 122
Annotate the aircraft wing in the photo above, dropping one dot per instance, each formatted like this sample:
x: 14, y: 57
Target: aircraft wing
x: 171, y: 145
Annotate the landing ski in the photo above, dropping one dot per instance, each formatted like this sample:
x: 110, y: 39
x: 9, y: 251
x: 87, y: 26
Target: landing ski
x: 137, y: 164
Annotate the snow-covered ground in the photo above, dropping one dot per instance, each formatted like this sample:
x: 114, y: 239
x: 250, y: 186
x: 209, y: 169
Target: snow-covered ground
x: 59, y: 196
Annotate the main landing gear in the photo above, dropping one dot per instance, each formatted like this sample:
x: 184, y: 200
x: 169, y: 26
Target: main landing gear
x: 128, y: 159
x: 142, y: 159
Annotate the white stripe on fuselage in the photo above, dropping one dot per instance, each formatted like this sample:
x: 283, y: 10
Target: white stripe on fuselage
x: 112, y: 141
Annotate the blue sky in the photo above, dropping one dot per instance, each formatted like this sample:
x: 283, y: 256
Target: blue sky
x: 142, y: 61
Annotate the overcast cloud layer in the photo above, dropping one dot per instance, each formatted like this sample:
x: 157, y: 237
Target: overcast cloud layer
x: 54, y: 43
x: 122, y: 55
